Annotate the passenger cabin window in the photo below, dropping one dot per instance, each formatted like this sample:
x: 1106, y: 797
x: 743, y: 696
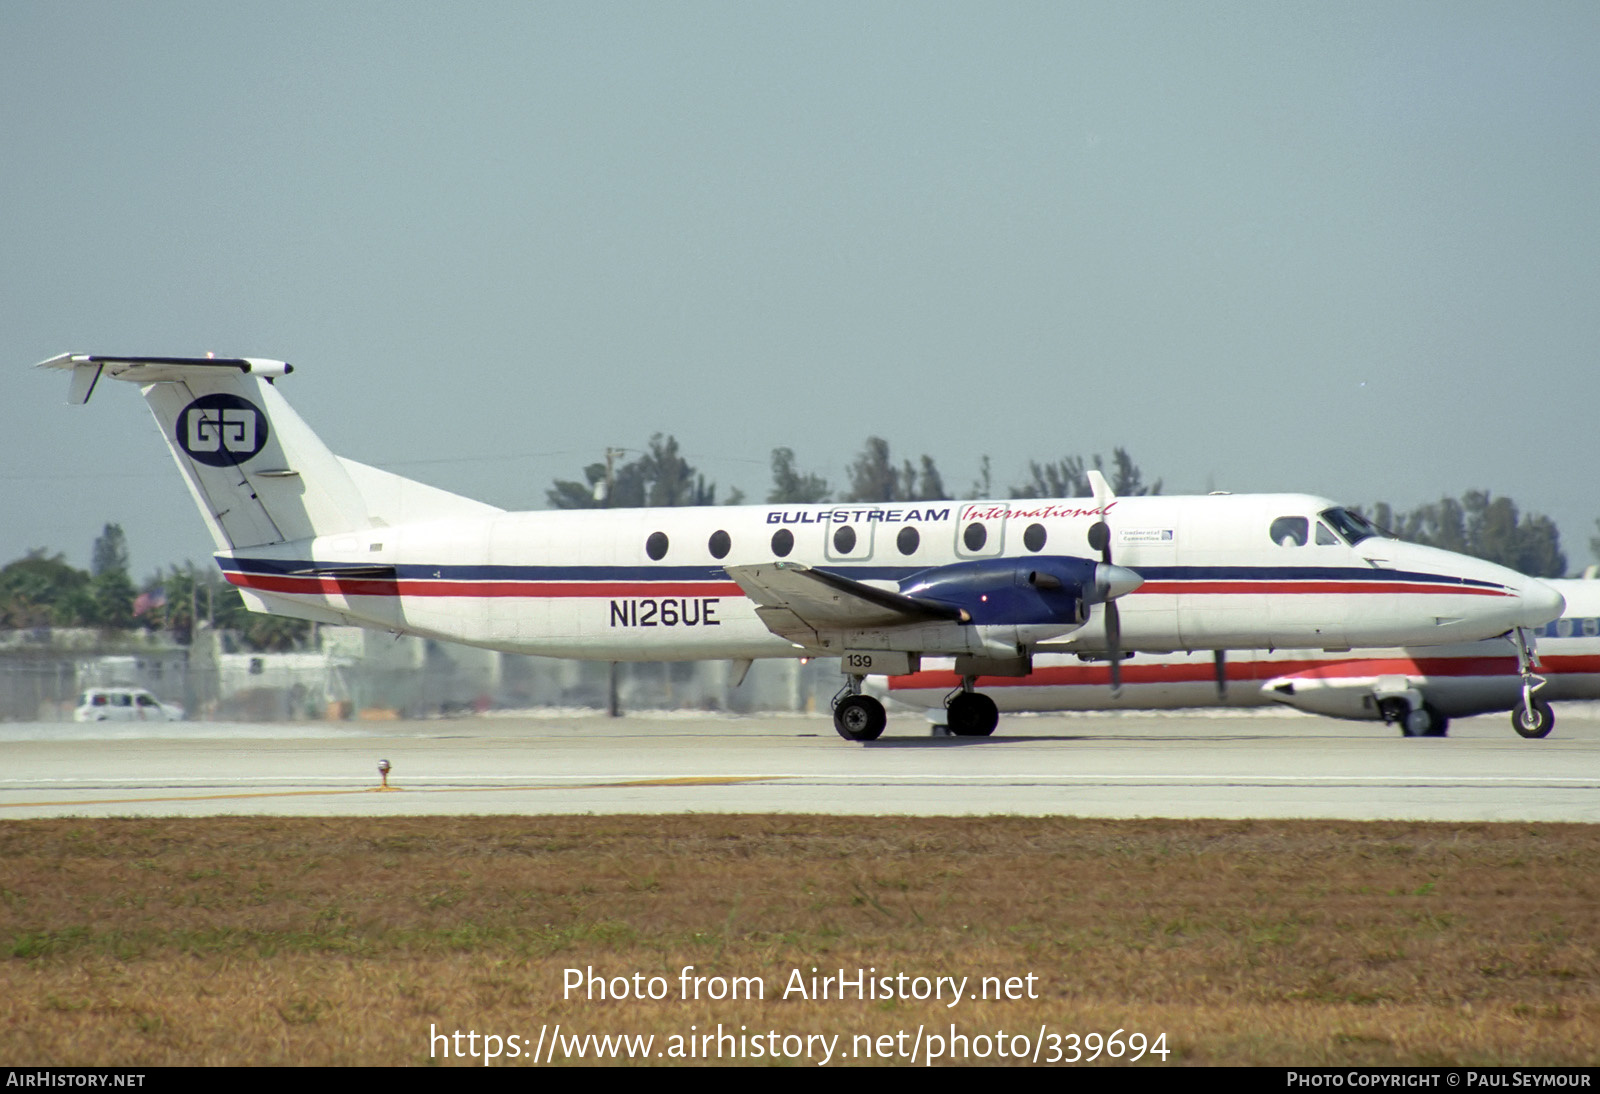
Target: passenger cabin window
x: 849, y: 542
x: 1290, y: 531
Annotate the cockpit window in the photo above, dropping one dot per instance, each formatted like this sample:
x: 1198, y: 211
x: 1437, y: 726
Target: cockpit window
x: 1290, y: 531
x: 1325, y: 538
x: 1352, y: 526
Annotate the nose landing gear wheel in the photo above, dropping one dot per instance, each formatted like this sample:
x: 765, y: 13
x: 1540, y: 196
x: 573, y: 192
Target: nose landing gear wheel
x: 859, y: 718
x: 1534, y: 723
x: 972, y: 714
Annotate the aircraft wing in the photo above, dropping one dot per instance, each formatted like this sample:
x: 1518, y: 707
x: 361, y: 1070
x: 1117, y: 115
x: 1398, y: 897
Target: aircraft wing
x: 795, y: 601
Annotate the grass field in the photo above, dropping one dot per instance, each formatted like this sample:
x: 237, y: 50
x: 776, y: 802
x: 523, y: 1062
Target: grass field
x: 321, y: 941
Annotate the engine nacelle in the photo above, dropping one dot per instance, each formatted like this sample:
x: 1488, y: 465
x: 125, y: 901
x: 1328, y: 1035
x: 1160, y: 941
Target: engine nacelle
x: 1050, y: 589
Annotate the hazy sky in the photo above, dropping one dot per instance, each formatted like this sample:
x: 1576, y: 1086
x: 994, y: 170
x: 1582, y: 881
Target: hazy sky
x: 1350, y: 249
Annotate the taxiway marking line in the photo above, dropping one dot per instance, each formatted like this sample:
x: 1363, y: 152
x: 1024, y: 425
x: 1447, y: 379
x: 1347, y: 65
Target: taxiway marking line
x: 692, y: 780
x: 846, y: 776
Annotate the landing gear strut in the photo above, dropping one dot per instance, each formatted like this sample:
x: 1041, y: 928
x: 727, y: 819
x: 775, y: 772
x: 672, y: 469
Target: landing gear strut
x: 857, y: 717
x: 1531, y: 717
x: 969, y: 713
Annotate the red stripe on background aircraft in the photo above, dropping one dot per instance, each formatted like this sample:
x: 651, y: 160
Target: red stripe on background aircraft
x: 1419, y: 689
x: 305, y: 533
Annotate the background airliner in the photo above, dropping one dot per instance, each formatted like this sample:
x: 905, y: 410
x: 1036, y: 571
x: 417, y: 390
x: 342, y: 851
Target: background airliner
x: 305, y: 533
x: 1418, y: 689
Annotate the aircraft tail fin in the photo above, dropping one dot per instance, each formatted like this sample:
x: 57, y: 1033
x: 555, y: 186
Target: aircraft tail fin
x: 258, y: 473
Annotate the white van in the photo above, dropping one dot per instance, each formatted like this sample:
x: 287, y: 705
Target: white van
x: 124, y: 705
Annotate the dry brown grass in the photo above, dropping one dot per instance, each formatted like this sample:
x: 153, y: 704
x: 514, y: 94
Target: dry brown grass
x: 270, y: 940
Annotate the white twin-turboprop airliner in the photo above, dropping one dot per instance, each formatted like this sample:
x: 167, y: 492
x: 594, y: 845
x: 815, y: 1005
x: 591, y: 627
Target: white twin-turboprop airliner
x: 305, y: 533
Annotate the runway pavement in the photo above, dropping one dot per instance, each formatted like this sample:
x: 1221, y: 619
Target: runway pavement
x: 1215, y: 764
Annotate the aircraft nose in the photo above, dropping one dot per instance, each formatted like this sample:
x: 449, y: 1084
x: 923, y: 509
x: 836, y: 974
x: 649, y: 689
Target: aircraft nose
x: 1539, y: 604
x: 1112, y: 581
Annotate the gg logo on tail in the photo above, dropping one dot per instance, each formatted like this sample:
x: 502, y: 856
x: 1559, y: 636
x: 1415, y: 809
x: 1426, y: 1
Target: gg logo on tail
x: 221, y: 430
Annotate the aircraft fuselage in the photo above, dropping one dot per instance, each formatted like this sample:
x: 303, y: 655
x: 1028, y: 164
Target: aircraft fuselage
x: 588, y: 584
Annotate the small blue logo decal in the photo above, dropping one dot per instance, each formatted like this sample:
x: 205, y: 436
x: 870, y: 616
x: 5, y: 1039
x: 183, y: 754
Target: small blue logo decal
x: 221, y: 430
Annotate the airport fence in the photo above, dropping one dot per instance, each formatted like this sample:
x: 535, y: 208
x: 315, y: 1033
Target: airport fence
x: 355, y: 674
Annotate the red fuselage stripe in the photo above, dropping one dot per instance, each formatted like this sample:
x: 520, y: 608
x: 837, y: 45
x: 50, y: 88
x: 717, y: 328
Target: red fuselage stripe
x: 268, y: 583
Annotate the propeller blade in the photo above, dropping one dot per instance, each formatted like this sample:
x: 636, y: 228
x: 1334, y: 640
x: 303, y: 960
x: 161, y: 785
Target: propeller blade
x: 1220, y: 660
x: 1121, y: 580
x: 1100, y: 540
x: 1114, y: 646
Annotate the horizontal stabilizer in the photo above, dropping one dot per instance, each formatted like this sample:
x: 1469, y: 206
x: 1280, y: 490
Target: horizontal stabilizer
x: 88, y: 368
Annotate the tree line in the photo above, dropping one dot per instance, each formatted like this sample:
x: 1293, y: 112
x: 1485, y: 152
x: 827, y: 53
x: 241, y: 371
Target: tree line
x: 660, y: 476
x: 1476, y: 524
x: 42, y: 589
x: 1483, y: 526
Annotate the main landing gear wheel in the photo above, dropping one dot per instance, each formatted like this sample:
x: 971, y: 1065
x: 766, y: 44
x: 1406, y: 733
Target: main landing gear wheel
x: 1537, y: 722
x: 1425, y: 721
x: 859, y: 718
x: 971, y: 714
